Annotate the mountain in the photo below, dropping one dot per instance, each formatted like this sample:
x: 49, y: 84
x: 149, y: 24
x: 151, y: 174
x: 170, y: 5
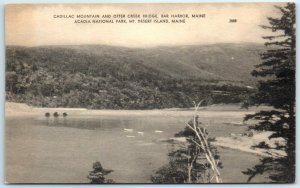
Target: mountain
x: 207, y: 62
x: 100, y: 76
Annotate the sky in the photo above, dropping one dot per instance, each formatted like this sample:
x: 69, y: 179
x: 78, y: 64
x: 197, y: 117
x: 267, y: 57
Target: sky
x: 35, y: 25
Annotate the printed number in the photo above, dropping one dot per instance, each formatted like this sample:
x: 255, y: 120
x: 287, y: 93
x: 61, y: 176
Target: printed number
x: 232, y: 20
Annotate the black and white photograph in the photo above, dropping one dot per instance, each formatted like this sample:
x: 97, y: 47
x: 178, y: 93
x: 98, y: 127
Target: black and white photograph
x: 150, y: 93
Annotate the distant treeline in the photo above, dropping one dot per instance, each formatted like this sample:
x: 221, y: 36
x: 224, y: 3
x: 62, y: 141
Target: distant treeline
x: 62, y: 77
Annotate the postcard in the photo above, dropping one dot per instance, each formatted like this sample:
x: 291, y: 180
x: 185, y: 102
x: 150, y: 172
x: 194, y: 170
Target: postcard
x: 153, y: 93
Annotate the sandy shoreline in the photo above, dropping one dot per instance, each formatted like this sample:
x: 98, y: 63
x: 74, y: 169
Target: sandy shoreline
x: 19, y: 109
x: 245, y: 143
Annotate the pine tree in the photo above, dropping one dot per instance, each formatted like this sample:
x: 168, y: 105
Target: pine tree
x: 277, y: 89
x: 97, y: 175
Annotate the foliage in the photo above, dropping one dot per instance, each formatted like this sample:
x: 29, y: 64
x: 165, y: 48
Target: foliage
x: 278, y: 90
x: 67, y: 77
x: 98, y: 174
x: 187, y: 162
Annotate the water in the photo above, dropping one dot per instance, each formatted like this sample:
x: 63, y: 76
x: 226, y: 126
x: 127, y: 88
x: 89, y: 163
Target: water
x: 62, y: 150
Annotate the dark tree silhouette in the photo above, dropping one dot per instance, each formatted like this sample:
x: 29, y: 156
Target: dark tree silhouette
x: 97, y: 175
x: 277, y: 89
x: 187, y: 161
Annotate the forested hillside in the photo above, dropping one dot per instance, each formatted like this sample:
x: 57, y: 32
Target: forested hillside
x: 98, y: 77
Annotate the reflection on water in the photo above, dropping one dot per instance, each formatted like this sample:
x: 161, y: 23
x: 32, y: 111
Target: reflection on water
x: 62, y: 150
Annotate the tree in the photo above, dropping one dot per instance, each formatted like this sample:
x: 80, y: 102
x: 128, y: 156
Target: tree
x: 187, y: 163
x: 277, y: 89
x: 97, y: 176
x: 194, y: 161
